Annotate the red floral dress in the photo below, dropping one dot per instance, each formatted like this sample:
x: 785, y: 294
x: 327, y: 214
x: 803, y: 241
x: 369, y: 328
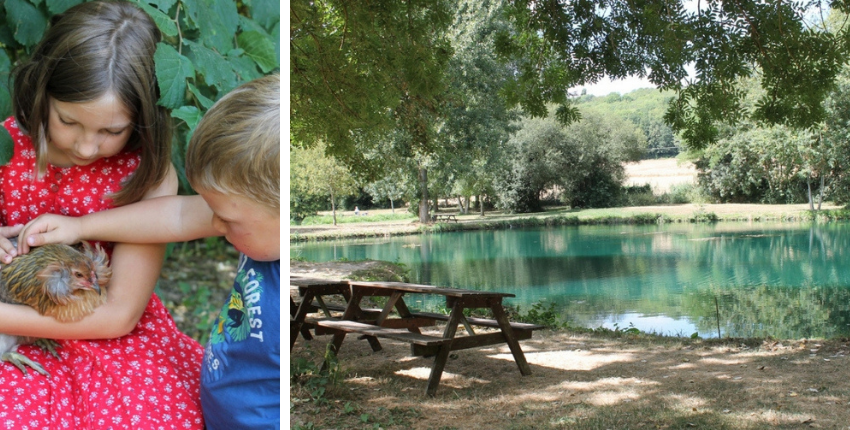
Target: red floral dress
x: 148, y: 379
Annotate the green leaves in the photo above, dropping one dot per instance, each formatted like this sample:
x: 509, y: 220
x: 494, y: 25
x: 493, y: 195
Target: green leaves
x: 362, y: 68
x: 215, y: 20
x: 7, y: 146
x: 164, y: 22
x: 566, y: 44
x: 260, y: 49
x: 190, y: 114
x: 5, y: 95
x: 215, y: 69
x: 266, y: 13
x: 209, y: 47
x: 27, y: 23
x: 59, y: 6
x: 172, y: 70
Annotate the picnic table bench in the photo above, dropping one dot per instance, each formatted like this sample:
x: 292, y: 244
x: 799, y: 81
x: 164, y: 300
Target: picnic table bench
x: 444, y: 218
x: 372, y: 324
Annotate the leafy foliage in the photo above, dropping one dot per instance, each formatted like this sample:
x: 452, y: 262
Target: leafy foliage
x: 645, y: 109
x: 477, y: 122
x: 311, y: 378
x: 209, y: 47
x: 196, y: 279
x: 547, y: 316
x: 755, y: 165
x: 557, y: 45
x: 582, y: 163
x: 314, y: 176
x: 363, y: 67
x: 836, y: 137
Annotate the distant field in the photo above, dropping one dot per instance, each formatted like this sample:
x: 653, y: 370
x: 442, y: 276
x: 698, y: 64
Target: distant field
x: 660, y: 174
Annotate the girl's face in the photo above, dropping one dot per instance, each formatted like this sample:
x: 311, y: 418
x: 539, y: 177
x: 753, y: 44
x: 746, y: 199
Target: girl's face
x: 79, y: 134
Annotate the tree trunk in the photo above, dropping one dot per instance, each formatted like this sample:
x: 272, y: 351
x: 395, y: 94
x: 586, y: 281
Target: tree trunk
x: 392, y: 205
x: 423, y: 204
x: 811, y: 201
x: 460, y: 204
x: 481, y: 204
x: 333, y: 206
x: 820, y: 194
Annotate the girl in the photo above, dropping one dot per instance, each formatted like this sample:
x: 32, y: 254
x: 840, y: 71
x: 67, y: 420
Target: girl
x: 89, y: 136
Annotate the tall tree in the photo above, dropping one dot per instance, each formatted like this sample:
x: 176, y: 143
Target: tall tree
x: 312, y: 173
x: 477, y: 122
x: 836, y: 138
x: 756, y: 164
x: 361, y: 67
x: 559, y: 45
x: 582, y: 164
x: 390, y: 187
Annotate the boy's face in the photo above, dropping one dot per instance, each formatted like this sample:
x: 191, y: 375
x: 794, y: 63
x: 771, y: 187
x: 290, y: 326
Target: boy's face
x: 251, y: 227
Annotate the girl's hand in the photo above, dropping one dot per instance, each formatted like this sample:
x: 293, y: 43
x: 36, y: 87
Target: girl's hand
x: 48, y: 228
x: 7, y: 250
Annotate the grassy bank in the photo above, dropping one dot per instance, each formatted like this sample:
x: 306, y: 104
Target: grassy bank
x: 378, y: 225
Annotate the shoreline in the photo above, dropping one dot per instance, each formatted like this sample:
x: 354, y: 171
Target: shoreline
x: 494, y: 220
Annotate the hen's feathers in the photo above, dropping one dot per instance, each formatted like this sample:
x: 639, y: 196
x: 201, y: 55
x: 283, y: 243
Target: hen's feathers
x: 57, y: 281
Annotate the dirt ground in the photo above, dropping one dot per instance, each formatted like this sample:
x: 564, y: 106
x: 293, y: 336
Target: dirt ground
x: 580, y: 381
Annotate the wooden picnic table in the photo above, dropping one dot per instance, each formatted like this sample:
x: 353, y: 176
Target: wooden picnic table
x: 444, y: 218
x: 404, y: 325
x: 312, y: 292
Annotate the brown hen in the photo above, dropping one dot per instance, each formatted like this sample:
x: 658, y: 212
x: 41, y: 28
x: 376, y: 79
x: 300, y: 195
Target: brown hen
x: 55, y: 280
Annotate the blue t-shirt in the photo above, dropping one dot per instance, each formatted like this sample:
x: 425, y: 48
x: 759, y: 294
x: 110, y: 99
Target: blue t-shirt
x: 240, y: 377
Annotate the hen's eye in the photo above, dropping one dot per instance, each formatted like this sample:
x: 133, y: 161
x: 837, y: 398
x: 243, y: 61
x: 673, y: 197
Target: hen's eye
x: 78, y: 275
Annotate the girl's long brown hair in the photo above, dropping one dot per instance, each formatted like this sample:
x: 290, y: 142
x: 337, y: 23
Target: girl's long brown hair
x: 90, y: 49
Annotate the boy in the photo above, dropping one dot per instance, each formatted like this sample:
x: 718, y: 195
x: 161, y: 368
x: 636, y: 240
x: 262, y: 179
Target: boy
x: 233, y: 162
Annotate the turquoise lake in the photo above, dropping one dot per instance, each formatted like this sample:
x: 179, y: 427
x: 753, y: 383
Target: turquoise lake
x: 786, y: 280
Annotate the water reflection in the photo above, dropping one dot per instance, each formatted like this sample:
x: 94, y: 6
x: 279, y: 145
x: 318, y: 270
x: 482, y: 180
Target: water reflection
x: 782, y: 280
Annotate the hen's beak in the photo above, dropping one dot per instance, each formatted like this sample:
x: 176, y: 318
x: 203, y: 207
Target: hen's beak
x: 94, y: 284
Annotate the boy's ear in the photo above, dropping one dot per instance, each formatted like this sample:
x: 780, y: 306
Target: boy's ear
x: 7, y: 146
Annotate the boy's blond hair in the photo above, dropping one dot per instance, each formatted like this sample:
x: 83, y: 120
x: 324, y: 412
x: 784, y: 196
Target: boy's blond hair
x: 236, y: 147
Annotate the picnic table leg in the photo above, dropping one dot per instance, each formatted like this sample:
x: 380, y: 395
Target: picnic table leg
x: 352, y: 312
x: 391, y: 302
x: 510, y: 339
x: 298, y: 319
x: 404, y: 312
x: 443, y: 352
x: 305, y: 332
x: 294, y: 327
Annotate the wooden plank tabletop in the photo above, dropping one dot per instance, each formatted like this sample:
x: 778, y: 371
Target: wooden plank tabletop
x: 302, y: 281
x: 428, y: 289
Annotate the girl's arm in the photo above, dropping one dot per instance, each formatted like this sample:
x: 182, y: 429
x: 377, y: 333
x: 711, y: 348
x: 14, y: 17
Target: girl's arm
x: 135, y: 268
